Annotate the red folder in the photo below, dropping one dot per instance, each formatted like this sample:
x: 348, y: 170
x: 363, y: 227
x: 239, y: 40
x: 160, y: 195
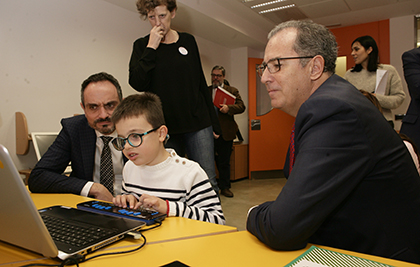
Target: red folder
x: 221, y: 96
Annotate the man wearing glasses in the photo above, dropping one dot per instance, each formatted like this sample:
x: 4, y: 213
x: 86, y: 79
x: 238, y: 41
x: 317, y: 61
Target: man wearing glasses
x: 223, y: 142
x: 351, y: 182
x: 84, y: 140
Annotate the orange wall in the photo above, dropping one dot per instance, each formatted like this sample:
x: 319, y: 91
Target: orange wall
x: 379, y: 30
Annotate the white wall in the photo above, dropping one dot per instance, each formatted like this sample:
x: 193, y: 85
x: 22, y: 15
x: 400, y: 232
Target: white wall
x: 49, y: 47
x: 212, y: 54
x: 401, y: 41
x: 239, y: 79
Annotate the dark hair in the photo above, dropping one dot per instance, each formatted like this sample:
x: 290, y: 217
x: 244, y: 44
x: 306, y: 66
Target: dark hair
x: 408, y: 139
x: 217, y: 67
x: 373, y: 58
x: 100, y: 77
x: 145, y: 6
x: 312, y: 39
x: 145, y: 103
x: 372, y: 99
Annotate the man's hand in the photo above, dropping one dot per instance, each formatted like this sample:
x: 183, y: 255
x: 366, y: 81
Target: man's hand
x: 99, y: 191
x: 224, y: 108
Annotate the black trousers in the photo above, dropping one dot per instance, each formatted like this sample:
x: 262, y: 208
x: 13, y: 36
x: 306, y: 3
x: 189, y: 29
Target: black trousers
x: 223, y: 151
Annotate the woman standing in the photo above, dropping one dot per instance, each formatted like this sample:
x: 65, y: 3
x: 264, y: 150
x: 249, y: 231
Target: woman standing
x: 167, y: 63
x: 364, y: 75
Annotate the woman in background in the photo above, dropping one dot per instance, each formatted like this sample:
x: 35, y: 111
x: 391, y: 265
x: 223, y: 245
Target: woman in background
x: 363, y: 75
x: 167, y: 63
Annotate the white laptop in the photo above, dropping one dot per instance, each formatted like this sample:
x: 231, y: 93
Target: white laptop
x: 24, y: 226
x: 42, y: 141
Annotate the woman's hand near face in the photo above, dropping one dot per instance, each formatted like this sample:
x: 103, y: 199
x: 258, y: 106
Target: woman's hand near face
x: 156, y: 36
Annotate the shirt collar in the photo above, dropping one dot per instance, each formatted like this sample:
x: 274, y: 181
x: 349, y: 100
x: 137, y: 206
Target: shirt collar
x: 98, y: 134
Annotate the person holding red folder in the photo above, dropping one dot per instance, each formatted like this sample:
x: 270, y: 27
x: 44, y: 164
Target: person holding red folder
x: 223, y: 142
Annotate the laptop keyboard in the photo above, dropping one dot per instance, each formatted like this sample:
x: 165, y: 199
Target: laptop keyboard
x: 71, y: 234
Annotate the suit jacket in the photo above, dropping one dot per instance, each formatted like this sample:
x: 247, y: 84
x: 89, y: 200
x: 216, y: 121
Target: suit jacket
x: 411, y: 122
x: 226, y: 120
x: 353, y: 186
x: 76, y: 142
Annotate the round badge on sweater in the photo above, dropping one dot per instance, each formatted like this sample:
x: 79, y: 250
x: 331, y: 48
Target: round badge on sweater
x: 183, y: 51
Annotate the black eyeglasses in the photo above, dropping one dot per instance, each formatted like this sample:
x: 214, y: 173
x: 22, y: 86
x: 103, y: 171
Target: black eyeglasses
x: 134, y: 139
x: 273, y: 65
x: 216, y: 75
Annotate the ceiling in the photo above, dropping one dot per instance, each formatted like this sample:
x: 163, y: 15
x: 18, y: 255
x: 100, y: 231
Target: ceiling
x: 234, y: 24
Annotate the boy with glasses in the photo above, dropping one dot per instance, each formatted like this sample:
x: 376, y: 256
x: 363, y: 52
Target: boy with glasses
x: 155, y: 177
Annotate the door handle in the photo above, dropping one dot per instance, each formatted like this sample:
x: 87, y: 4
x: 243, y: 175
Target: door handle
x: 255, y: 125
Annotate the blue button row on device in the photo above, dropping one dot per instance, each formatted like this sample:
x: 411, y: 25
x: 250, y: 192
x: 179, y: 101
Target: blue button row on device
x: 126, y: 212
x: 101, y: 207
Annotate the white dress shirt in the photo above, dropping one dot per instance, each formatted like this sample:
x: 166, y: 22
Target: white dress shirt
x: 117, y: 162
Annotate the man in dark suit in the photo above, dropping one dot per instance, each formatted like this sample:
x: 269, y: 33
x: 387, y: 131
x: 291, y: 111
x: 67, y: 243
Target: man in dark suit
x: 80, y: 143
x: 351, y: 182
x: 411, y: 122
x: 223, y: 142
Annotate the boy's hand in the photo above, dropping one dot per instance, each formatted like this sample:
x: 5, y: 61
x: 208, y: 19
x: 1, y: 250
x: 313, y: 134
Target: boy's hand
x: 152, y: 202
x: 123, y: 200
